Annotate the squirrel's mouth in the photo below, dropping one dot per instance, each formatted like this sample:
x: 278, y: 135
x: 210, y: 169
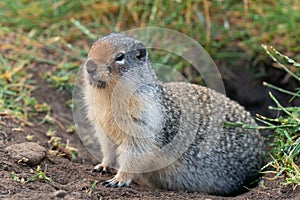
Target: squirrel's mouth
x: 99, y: 84
x: 97, y: 81
x: 94, y: 76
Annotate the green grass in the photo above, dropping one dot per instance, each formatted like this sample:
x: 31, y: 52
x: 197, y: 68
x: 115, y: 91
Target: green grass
x: 91, y: 190
x: 64, y: 76
x: 16, y: 86
x: 58, y: 148
x: 40, y: 175
x: 285, y: 146
x: 228, y: 29
x: 231, y: 31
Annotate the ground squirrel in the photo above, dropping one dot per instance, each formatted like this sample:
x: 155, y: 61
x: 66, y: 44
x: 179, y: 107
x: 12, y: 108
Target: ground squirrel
x: 165, y: 135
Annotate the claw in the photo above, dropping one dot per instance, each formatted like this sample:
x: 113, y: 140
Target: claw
x: 101, y: 168
x: 105, y: 183
x: 109, y: 185
x: 114, y: 183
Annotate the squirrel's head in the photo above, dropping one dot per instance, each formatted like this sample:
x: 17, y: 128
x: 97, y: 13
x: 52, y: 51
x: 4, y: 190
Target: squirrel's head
x: 115, y: 56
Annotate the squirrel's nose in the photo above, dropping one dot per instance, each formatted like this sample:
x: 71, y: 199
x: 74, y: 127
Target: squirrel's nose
x: 91, y: 67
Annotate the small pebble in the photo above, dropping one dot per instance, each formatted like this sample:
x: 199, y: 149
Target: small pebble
x: 76, y: 194
x: 58, y: 193
x: 30, y: 153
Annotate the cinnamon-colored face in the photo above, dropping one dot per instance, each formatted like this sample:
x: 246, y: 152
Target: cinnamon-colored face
x: 102, y: 60
x: 110, y: 57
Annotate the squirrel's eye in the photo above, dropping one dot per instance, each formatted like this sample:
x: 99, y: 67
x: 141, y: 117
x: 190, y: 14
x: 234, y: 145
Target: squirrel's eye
x: 120, y: 57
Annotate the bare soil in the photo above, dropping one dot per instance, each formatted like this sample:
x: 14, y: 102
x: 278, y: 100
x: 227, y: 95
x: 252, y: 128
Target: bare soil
x: 73, y: 180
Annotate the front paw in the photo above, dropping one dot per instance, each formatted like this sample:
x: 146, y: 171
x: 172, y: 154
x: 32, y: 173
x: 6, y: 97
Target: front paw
x: 103, y: 169
x: 117, y: 182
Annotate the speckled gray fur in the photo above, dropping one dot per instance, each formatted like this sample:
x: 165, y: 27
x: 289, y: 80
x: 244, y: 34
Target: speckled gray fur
x: 210, y: 157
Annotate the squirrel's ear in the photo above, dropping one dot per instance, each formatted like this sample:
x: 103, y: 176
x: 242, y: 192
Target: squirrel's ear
x: 141, y: 51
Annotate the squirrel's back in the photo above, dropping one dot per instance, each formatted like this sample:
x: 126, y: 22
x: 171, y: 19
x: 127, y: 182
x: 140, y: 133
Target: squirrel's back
x: 211, y: 156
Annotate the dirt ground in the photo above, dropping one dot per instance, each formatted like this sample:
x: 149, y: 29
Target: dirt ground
x: 73, y: 180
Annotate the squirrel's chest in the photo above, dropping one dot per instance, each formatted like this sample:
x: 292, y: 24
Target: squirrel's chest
x: 116, y: 117
x: 98, y: 107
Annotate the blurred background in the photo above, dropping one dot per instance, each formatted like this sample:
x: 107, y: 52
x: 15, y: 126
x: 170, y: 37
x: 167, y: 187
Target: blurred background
x: 53, y: 38
x: 43, y: 44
